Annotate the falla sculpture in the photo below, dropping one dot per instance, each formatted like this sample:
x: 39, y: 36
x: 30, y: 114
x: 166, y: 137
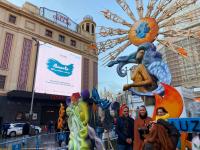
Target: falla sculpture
x: 151, y: 77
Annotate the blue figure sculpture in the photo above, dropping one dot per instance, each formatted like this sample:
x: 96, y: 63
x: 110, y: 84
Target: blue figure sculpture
x: 151, y: 65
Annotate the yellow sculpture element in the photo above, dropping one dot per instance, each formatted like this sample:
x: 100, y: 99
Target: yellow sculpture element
x: 77, y: 122
x: 150, y: 36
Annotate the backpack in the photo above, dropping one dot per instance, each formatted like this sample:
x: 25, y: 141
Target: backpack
x: 172, y: 130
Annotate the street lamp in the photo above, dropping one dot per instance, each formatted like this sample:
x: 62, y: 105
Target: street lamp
x: 126, y: 93
x: 34, y: 75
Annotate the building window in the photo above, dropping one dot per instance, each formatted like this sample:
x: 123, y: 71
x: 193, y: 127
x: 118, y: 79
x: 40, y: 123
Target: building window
x: 73, y: 43
x: 85, y: 73
x: 12, y: 19
x: 2, y: 81
x: 87, y: 27
x: 95, y: 74
x: 48, y: 33
x: 6, y: 51
x: 82, y: 27
x: 92, y: 29
x: 24, y: 65
x: 62, y: 38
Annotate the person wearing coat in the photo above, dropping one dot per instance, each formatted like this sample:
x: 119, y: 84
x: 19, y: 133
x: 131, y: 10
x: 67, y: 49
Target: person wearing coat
x: 140, y: 127
x: 124, y: 129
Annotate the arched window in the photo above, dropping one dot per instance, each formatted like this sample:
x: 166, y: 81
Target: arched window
x: 92, y: 29
x: 87, y: 27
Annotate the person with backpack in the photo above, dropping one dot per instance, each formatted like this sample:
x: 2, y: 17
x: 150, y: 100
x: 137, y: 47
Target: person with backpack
x: 171, y: 130
x: 161, y: 118
x: 162, y: 135
x: 158, y: 138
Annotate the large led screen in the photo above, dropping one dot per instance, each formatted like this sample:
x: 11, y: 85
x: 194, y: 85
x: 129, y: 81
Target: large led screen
x: 58, y: 71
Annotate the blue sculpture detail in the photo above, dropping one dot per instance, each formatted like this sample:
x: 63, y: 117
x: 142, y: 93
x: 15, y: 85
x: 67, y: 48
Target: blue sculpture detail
x: 154, y: 64
x: 142, y: 30
x: 103, y: 103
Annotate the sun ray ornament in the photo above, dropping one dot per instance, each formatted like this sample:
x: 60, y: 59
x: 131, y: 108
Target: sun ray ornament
x: 158, y: 24
x: 106, y: 31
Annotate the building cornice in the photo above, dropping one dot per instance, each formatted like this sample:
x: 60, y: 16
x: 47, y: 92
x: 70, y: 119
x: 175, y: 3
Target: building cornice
x: 45, y: 39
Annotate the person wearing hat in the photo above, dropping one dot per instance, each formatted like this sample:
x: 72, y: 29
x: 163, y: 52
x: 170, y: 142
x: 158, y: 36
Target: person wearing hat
x: 124, y: 129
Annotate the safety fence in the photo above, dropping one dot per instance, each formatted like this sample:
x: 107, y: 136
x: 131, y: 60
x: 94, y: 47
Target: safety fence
x: 49, y: 141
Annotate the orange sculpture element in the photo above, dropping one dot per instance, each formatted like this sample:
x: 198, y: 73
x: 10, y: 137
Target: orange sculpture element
x: 181, y: 51
x: 61, y: 116
x: 150, y: 36
x: 92, y: 46
x: 171, y: 101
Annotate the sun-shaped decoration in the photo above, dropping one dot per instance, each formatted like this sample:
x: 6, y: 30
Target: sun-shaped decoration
x: 160, y: 15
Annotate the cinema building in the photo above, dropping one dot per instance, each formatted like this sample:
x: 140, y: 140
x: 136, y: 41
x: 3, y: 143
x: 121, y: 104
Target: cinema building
x: 44, y: 51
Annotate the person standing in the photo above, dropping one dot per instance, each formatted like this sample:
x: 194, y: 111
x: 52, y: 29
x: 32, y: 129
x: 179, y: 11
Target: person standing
x: 124, y: 129
x: 26, y: 129
x: 162, y: 113
x: 25, y: 132
x: 5, y: 130
x: 158, y: 138
x: 161, y: 119
x: 140, y: 124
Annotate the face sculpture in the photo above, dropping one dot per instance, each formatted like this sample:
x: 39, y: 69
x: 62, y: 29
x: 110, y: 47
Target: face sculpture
x: 139, y: 56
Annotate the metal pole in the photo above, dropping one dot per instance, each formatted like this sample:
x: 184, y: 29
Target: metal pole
x: 126, y: 74
x: 34, y: 75
x: 126, y: 92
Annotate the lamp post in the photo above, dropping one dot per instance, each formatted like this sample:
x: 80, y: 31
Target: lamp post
x: 126, y: 92
x: 34, y: 75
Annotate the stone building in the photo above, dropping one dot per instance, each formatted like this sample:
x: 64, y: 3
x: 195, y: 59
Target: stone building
x: 20, y: 29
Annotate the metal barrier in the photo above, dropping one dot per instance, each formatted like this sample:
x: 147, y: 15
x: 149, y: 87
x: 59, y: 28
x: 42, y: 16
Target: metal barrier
x: 49, y: 141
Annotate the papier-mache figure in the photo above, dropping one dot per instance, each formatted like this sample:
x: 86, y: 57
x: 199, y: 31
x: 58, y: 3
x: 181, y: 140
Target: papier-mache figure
x: 77, y: 122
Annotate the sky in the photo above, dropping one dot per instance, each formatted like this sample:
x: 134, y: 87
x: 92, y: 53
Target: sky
x: 77, y: 9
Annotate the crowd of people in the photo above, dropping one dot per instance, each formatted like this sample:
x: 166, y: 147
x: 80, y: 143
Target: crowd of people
x: 144, y: 133
x: 140, y: 133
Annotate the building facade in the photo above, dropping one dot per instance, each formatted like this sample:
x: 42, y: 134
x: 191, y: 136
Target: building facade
x: 19, y: 26
x: 185, y: 71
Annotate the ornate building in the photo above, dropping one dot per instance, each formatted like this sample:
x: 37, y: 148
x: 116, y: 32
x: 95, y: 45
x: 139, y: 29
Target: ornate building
x: 19, y: 26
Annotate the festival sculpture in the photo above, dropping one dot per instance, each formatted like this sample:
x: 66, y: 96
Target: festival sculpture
x: 61, y: 117
x: 77, y: 121
x: 151, y: 77
x: 79, y: 118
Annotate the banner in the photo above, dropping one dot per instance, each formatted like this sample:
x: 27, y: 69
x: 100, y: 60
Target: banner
x: 186, y: 124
